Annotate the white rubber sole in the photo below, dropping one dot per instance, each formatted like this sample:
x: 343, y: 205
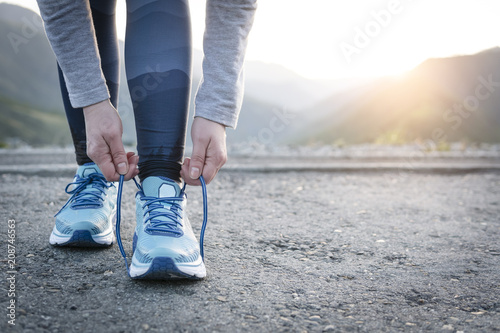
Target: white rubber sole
x: 104, y: 238
x: 195, y: 270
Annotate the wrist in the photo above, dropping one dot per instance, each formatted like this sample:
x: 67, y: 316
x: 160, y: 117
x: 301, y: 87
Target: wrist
x: 96, y: 106
x: 202, y: 119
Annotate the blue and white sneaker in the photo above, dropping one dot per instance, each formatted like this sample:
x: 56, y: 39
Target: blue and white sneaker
x: 164, y: 245
x: 86, y: 219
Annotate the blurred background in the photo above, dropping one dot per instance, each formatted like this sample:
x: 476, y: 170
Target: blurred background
x: 318, y: 74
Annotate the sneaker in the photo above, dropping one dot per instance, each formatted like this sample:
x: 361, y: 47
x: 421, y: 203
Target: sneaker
x: 164, y: 243
x: 86, y: 219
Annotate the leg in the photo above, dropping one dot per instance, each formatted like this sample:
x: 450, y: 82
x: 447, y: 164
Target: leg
x: 103, y: 14
x: 86, y: 220
x: 158, y: 63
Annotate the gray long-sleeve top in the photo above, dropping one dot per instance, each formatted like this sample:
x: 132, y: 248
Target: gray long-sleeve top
x: 70, y: 30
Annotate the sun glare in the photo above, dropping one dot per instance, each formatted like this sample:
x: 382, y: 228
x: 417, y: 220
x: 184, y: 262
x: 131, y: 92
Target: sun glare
x: 330, y: 40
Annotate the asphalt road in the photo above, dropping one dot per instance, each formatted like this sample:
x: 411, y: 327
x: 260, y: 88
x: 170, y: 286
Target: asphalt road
x: 285, y: 251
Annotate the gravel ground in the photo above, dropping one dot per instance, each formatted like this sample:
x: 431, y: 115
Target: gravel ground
x: 294, y: 251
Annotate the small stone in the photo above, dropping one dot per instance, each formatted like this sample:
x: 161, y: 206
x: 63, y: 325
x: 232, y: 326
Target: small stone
x: 73, y: 307
x: 311, y: 323
x: 145, y: 327
x: 108, y: 273
x: 315, y: 318
x: 329, y: 328
x: 44, y: 325
x: 410, y: 324
x: 380, y: 241
x: 258, y: 293
x: 250, y: 317
x: 447, y: 327
x: 29, y: 255
x: 284, y: 312
x: 478, y: 313
x: 222, y: 298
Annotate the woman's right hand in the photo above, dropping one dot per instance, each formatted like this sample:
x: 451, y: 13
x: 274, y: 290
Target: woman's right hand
x: 104, y: 142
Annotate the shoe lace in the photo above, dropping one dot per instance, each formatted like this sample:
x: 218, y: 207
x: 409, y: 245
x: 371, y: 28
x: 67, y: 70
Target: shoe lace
x: 173, y: 216
x: 84, y: 196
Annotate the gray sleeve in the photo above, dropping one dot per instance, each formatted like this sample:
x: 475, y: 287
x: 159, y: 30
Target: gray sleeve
x: 220, y: 94
x: 70, y: 30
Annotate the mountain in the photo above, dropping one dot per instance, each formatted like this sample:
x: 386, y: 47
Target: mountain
x: 30, y: 103
x: 276, y: 84
x: 30, y: 125
x: 29, y: 81
x: 27, y: 63
x: 279, y: 106
x: 446, y: 99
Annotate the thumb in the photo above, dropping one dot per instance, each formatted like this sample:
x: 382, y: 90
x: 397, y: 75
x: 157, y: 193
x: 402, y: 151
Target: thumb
x: 119, y: 156
x: 197, y: 161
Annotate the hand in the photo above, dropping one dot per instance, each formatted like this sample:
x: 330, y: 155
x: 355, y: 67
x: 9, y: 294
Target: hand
x: 209, y: 151
x: 104, y: 142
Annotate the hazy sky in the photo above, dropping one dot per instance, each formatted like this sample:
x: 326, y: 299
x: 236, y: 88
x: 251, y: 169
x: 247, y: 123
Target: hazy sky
x: 332, y: 38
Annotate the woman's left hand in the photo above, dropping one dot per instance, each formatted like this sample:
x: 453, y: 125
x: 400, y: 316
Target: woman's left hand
x: 209, y: 151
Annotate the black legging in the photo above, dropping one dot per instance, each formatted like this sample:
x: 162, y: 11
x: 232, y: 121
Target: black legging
x: 158, y: 65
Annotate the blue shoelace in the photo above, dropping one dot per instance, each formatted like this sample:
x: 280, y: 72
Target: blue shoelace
x: 160, y: 225
x: 83, y: 197
x: 173, y: 214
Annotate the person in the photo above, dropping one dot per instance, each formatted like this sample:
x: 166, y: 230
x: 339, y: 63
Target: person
x: 158, y: 51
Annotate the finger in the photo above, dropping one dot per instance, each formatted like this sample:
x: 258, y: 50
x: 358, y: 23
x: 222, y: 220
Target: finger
x: 118, y: 154
x: 133, y: 160
x: 209, y: 173
x: 185, y: 167
x: 100, y: 155
x: 212, y: 166
x: 107, y: 168
x: 197, y: 161
x: 185, y: 173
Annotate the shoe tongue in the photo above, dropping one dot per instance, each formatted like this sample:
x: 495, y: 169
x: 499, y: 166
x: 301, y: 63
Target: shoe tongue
x: 87, y: 169
x: 160, y: 187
